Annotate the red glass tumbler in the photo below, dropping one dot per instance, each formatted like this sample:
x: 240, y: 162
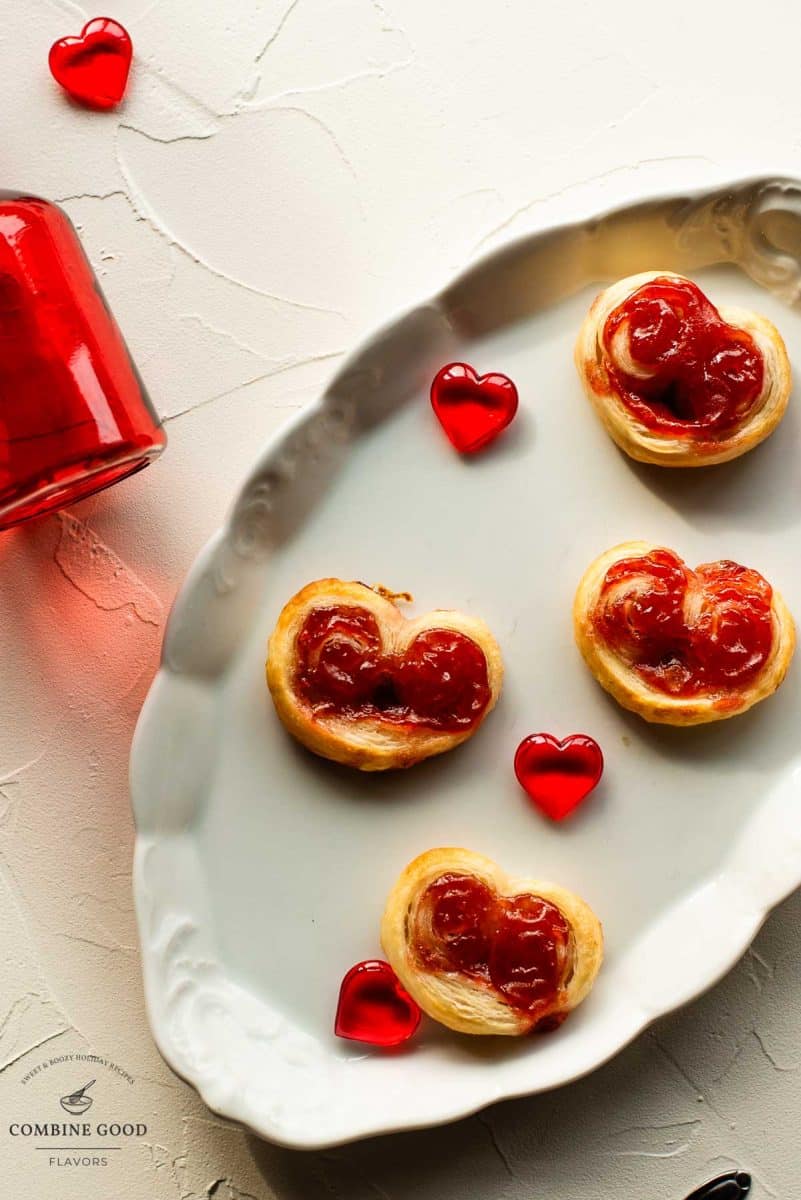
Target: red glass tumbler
x: 74, y: 414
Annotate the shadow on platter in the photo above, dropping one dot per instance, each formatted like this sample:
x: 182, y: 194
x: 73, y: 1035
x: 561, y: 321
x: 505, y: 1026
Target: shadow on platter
x: 759, y: 491
x: 756, y: 738
x: 411, y: 785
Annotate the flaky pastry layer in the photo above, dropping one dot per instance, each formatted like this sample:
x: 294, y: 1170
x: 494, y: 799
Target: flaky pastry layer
x: 367, y: 743
x: 696, y: 448
x: 468, y: 1005
x: 621, y: 679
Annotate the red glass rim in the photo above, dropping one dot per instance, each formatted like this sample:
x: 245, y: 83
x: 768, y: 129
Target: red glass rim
x: 69, y: 484
x: 75, y: 416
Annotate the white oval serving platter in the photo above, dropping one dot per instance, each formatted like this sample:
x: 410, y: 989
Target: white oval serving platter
x: 261, y: 871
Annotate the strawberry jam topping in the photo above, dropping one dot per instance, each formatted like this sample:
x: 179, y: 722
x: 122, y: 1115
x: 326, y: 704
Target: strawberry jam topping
x: 520, y: 946
x: 685, y: 367
x: 687, y: 632
x: 439, y: 681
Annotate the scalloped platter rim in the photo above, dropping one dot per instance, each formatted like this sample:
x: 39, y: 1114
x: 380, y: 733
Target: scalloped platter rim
x: 260, y: 872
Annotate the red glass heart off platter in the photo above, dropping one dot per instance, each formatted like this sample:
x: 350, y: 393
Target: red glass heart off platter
x: 374, y: 1007
x: 472, y: 409
x: 558, y: 775
x: 93, y: 68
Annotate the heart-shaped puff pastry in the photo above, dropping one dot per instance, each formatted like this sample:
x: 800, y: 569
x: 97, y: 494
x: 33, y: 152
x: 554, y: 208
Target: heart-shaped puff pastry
x: 676, y: 381
x: 677, y: 646
x: 487, y: 953
x: 356, y: 682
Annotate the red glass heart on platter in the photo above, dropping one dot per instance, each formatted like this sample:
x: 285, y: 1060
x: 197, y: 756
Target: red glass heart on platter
x: 374, y: 1007
x: 93, y: 68
x: 558, y: 775
x: 472, y: 409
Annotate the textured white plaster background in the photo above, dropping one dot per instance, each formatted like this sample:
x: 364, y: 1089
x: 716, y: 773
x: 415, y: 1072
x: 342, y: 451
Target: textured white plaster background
x: 283, y: 176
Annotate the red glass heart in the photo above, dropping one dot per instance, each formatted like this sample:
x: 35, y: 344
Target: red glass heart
x: 374, y: 1007
x: 472, y: 409
x: 93, y: 68
x: 558, y: 775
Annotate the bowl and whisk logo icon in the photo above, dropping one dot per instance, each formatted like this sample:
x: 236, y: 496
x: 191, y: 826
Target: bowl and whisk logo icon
x: 78, y: 1102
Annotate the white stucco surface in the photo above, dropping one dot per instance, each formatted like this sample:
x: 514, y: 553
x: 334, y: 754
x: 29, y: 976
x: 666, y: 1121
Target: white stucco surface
x: 283, y: 176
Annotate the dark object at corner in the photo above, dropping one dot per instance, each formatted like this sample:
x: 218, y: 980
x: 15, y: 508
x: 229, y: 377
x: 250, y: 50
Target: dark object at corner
x: 732, y: 1186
